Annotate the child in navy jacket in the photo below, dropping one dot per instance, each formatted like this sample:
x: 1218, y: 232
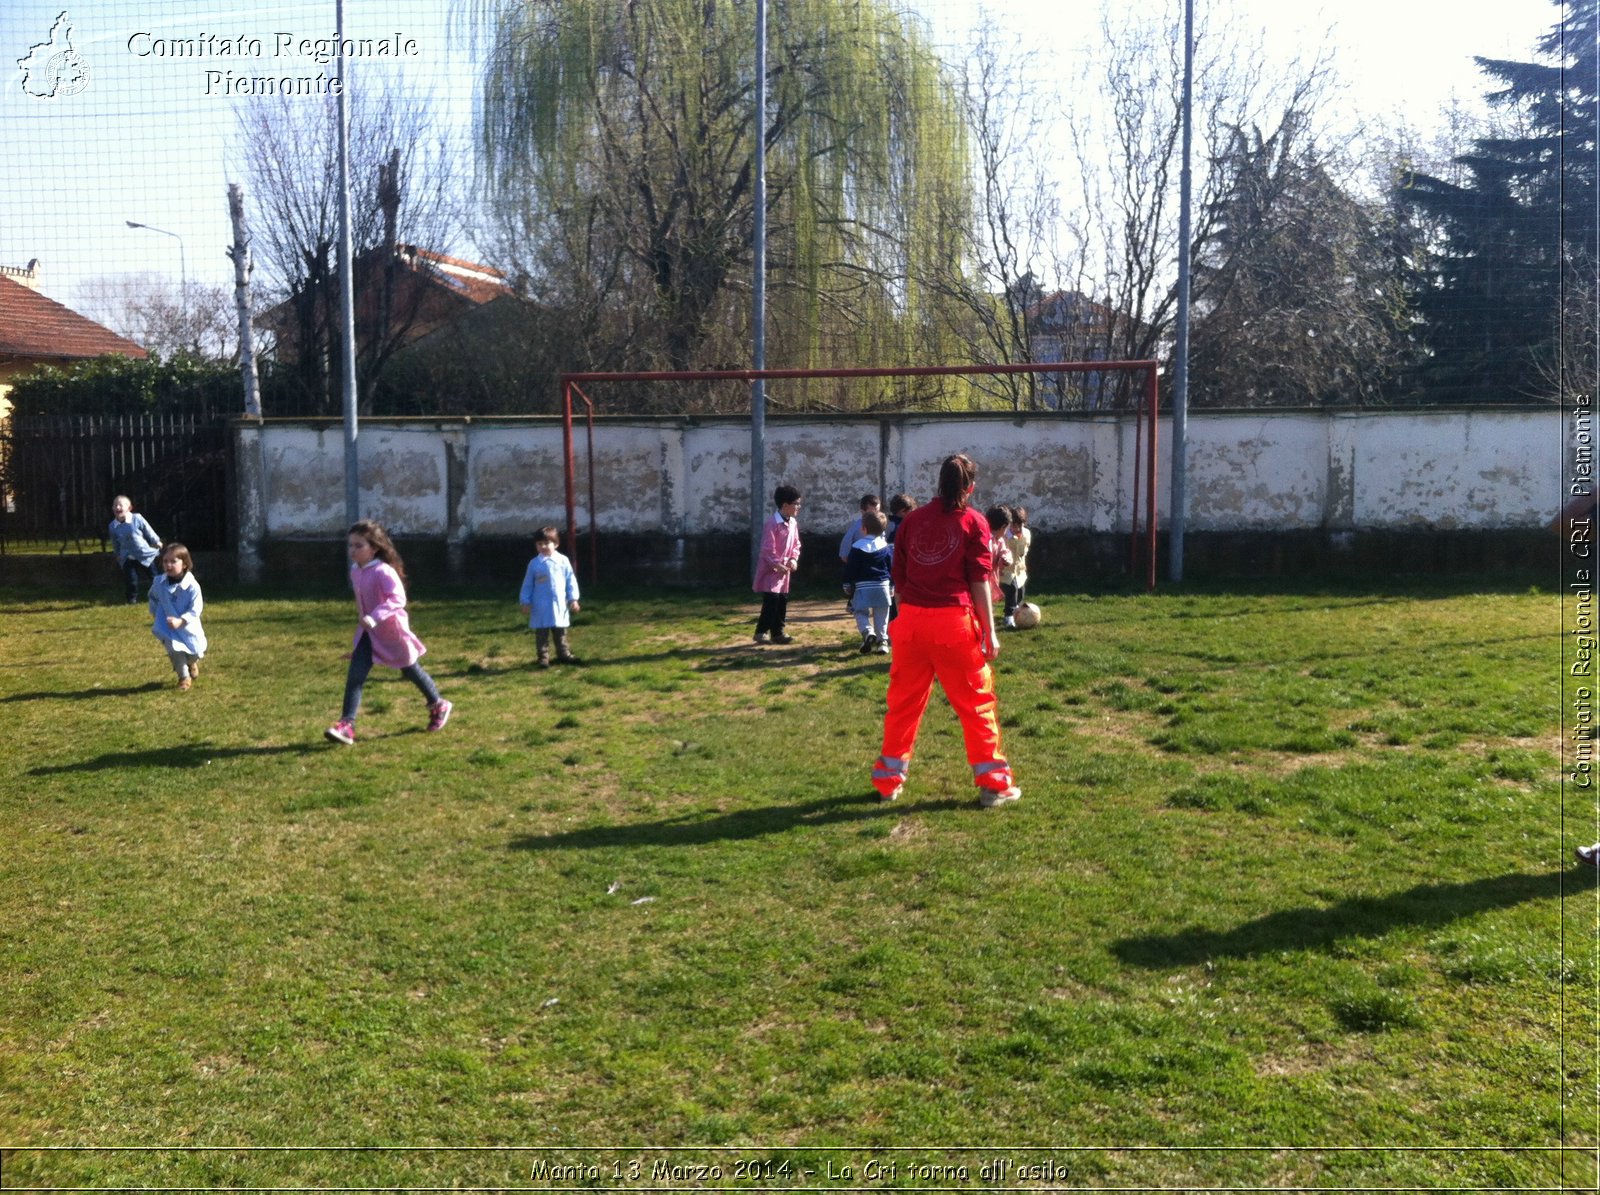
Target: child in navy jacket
x: 866, y: 570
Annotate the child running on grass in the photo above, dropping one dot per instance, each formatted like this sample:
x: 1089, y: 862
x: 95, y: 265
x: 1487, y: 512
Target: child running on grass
x: 384, y: 635
x: 135, y: 542
x: 175, y: 606
x: 549, y: 597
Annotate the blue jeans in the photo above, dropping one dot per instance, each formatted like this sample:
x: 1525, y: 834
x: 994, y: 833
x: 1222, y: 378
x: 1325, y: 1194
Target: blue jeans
x: 137, y: 576
x: 361, y: 665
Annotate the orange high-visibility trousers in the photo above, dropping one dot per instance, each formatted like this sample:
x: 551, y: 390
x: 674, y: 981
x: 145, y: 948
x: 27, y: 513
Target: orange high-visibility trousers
x: 940, y: 643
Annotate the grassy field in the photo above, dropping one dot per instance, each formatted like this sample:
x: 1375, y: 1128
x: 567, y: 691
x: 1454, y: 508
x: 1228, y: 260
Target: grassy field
x: 1287, y: 903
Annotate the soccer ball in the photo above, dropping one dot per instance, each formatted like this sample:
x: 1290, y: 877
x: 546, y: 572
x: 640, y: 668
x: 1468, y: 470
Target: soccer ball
x: 1026, y: 616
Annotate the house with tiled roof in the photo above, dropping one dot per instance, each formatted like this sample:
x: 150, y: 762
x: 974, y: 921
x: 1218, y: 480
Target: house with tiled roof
x: 413, y: 292
x: 1070, y: 326
x: 36, y: 330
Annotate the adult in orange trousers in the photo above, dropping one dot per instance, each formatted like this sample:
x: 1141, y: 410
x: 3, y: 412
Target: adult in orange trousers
x: 945, y: 632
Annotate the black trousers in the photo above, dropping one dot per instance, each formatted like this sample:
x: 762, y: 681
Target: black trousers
x: 774, y: 613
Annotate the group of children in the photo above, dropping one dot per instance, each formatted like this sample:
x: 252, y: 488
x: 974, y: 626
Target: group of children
x: 866, y: 554
x: 549, y: 597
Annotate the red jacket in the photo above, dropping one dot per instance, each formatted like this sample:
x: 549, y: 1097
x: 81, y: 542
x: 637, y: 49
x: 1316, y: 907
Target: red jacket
x: 939, y: 553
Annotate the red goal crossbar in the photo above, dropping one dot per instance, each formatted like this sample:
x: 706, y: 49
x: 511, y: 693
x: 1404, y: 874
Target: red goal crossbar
x: 571, y: 383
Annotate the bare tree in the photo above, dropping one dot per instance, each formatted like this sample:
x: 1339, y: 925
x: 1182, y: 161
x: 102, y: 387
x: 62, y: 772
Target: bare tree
x: 1016, y: 224
x: 1126, y: 150
x: 404, y: 180
x: 162, y: 316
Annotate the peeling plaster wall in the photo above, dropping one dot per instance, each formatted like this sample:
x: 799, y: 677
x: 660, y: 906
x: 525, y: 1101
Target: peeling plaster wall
x: 1445, y: 471
x: 403, y: 478
x: 1256, y: 473
x: 1480, y: 469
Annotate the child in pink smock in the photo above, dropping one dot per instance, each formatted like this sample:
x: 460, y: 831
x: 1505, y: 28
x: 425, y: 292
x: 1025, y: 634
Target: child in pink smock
x: 780, y: 556
x: 384, y: 636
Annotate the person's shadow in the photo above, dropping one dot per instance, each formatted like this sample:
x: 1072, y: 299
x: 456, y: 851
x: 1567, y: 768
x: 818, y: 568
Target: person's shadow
x: 84, y: 694
x: 188, y: 755
x: 695, y: 829
x: 1425, y: 905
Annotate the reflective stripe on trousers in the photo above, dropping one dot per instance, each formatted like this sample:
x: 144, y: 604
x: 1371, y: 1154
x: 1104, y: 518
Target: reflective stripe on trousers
x: 940, y: 643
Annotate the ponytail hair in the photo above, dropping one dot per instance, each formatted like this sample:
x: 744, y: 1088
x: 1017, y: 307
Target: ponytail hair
x: 956, y: 476
x: 382, y: 546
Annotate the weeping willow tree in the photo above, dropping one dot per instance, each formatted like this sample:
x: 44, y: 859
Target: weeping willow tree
x: 617, y: 140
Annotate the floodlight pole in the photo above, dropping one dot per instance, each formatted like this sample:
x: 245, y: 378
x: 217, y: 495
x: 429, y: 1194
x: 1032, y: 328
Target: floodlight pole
x: 758, y: 300
x: 347, y: 286
x: 1180, y: 374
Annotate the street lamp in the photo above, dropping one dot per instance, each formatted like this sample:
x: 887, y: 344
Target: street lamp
x: 183, y: 259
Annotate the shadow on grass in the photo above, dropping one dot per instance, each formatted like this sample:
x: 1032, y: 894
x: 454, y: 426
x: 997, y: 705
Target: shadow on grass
x: 48, y: 606
x: 776, y: 655
x: 527, y: 664
x: 190, y: 755
x: 697, y: 829
x: 88, y: 694
x: 1426, y: 905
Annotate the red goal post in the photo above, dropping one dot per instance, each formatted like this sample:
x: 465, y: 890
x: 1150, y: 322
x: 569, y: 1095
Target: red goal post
x: 1145, y: 413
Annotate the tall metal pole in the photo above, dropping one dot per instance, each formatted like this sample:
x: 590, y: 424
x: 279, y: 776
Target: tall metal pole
x: 347, y: 285
x: 183, y: 257
x: 758, y: 299
x: 1180, y: 379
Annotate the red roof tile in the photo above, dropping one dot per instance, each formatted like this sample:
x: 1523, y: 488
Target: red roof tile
x: 33, y: 326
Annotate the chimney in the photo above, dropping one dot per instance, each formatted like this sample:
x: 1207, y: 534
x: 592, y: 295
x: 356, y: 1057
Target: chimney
x: 30, y: 275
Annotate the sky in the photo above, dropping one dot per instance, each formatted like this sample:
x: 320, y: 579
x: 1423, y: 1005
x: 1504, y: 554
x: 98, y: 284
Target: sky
x: 126, y: 126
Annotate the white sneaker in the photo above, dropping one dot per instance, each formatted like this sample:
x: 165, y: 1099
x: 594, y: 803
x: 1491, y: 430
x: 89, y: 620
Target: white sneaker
x: 989, y: 798
x: 1589, y: 855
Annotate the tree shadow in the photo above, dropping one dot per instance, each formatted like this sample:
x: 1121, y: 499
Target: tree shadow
x: 1424, y: 906
x: 696, y: 829
x: 189, y: 755
x: 87, y: 694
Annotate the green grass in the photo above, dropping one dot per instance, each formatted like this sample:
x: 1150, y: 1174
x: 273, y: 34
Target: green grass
x: 1286, y: 902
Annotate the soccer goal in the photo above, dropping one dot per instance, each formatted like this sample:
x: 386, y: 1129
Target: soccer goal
x: 1141, y: 542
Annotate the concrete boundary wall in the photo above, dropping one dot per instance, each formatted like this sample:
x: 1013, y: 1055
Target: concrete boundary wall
x: 456, y: 480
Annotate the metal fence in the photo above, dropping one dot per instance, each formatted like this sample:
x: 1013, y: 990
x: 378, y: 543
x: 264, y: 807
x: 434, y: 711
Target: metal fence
x: 59, y: 474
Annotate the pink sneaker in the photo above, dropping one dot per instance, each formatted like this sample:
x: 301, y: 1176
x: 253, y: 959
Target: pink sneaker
x: 341, y: 732
x: 439, y: 714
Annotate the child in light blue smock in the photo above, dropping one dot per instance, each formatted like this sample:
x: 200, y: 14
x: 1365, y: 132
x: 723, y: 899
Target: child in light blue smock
x: 175, y: 606
x: 549, y: 596
x: 135, y: 543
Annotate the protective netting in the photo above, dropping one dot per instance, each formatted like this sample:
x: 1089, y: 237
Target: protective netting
x: 125, y: 122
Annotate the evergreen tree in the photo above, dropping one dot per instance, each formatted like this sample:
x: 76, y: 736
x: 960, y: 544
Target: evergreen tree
x: 1508, y: 284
